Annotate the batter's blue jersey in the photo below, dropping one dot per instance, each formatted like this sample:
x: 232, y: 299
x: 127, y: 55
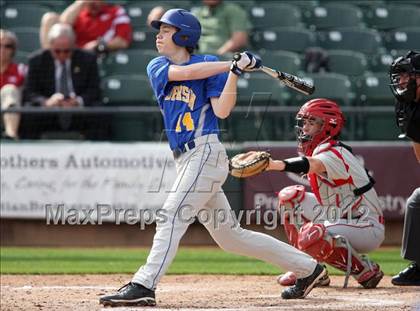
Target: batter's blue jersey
x: 185, y: 105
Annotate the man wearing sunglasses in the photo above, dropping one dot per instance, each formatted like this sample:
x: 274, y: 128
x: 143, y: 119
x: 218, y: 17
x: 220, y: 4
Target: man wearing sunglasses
x: 61, y: 76
x: 12, y: 76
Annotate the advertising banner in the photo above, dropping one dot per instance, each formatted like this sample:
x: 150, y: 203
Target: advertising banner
x: 51, y: 179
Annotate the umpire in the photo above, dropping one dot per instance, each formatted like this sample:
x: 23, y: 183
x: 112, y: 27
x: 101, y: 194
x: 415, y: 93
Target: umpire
x: 405, y: 85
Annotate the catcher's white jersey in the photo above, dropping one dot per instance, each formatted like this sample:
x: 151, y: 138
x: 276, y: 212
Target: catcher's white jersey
x: 344, y: 174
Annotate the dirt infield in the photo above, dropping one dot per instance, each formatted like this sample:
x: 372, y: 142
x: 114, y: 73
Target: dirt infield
x: 81, y: 292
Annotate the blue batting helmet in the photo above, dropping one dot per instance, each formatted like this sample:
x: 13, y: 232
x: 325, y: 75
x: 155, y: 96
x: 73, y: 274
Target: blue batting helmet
x: 189, y: 28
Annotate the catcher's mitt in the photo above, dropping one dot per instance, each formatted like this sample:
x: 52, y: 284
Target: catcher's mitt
x: 248, y: 164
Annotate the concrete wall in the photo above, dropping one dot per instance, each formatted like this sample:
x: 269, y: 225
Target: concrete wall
x: 17, y: 232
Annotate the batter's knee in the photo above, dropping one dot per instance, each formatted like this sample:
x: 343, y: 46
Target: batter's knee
x: 230, y: 241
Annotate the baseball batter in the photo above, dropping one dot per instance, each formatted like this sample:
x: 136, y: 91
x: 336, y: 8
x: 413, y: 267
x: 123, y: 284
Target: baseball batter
x: 342, y: 217
x: 192, y: 92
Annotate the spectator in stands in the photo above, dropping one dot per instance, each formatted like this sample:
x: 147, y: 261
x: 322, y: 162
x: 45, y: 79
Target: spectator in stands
x: 11, y: 79
x: 61, y: 76
x: 98, y: 26
x: 224, y: 25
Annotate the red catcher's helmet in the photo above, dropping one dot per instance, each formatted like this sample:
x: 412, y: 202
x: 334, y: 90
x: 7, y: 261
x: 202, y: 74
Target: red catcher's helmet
x: 332, y: 119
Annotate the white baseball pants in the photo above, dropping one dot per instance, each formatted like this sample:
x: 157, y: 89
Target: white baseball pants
x: 197, y: 189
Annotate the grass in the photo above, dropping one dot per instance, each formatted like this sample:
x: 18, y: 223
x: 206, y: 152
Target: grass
x: 23, y: 260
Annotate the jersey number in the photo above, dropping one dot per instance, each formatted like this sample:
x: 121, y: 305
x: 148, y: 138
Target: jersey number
x: 187, y: 121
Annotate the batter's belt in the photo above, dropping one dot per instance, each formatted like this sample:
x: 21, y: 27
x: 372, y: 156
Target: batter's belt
x: 211, y: 138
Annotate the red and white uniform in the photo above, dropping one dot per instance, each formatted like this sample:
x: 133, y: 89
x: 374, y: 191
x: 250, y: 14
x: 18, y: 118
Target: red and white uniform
x: 364, y: 227
x: 112, y: 21
x: 14, y: 74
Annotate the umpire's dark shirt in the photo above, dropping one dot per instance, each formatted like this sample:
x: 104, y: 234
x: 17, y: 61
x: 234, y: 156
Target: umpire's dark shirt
x: 413, y: 126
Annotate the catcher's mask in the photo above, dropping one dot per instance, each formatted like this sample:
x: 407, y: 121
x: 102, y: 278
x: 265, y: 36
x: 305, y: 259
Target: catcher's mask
x: 320, y: 111
x: 405, y: 91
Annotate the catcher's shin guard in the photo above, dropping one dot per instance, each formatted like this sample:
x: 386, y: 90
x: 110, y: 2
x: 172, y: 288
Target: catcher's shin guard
x: 337, y: 251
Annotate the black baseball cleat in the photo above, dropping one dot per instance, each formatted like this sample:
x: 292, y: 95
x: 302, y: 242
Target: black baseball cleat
x: 131, y: 294
x: 305, y: 285
x: 325, y: 280
x: 410, y: 276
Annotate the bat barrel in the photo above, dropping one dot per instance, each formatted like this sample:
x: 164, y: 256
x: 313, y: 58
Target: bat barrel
x: 298, y: 83
x: 291, y: 81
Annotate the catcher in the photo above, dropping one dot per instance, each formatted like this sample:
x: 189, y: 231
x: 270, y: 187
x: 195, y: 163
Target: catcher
x: 339, y: 183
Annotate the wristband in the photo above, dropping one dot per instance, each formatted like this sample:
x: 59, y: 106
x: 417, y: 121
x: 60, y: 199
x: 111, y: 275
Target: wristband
x: 235, y: 69
x: 298, y: 165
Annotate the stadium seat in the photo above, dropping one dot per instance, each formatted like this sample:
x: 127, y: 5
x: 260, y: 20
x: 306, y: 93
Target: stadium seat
x: 118, y: 2
x: 252, y: 126
x: 258, y: 90
x: 396, y: 53
x: 28, y: 38
x: 380, y: 62
x: 403, y: 38
x: 366, y: 41
x: 304, y: 5
x: 124, y: 90
x: 128, y: 62
x: 334, y: 15
x: 405, y: 2
x: 328, y: 85
x: 393, y: 16
x: 144, y: 39
x: 245, y: 4
x: 288, y: 39
x: 347, y: 62
x: 380, y: 126
x: 282, y: 60
x: 364, y: 3
x: 134, y: 127
x: 268, y: 15
x: 138, y: 12
x: 56, y: 5
x: 21, y: 57
x: 373, y: 90
x: 22, y: 15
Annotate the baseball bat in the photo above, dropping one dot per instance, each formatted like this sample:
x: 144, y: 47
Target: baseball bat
x: 290, y: 80
x: 287, y: 79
